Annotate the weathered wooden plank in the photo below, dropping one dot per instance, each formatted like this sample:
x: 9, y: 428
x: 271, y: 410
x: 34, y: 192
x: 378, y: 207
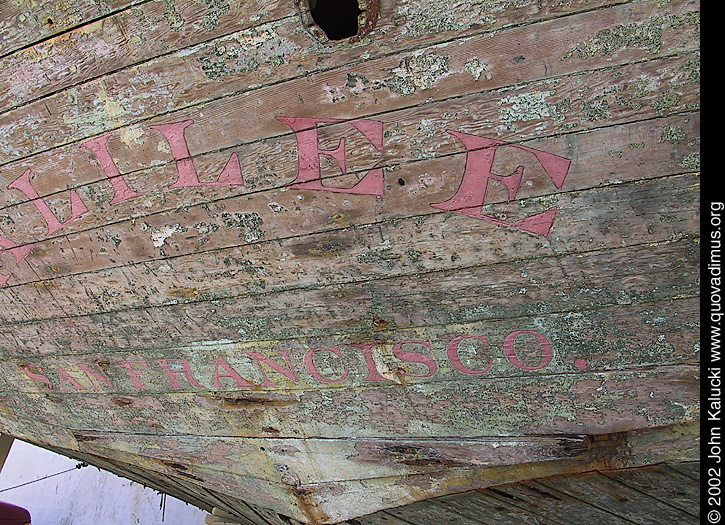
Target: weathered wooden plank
x: 131, y: 286
x: 22, y: 24
x: 662, y: 483
x: 614, y: 450
x: 278, y: 49
x: 545, y: 504
x: 366, y: 313
x: 120, y: 40
x: 326, y: 352
x: 408, y: 258
x: 179, y: 487
x: 331, y: 460
x: 691, y: 470
x: 438, y: 512
x: 437, y: 180
x: 618, y: 499
x: 531, y: 502
x: 131, y: 329
x: 582, y: 402
x: 606, y: 339
x: 231, y: 115
x: 165, y: 485
x: 379, y: 518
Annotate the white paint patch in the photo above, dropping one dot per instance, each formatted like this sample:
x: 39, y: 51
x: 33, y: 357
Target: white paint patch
x: 159, y: 236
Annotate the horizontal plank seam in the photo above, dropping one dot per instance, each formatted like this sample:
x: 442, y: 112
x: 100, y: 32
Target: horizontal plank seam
x: 50, y: 239
x: 70, y: 29
x: 356, y: 282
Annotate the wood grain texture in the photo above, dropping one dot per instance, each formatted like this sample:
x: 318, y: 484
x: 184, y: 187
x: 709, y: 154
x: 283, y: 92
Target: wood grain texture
x: 24, y: 24
x: 303, y: 280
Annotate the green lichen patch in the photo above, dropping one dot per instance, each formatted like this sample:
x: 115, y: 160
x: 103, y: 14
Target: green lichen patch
x: 672, y: 135
x: 666, y: 103
x: 247, y: 223
x: 173, y: 17
x: 691, y: 161
x: 643, y: 35
x: 431, y: 17
x: 215, y: 9
x: 244, y: 52
x: 692, y: 68
x: 595, y: 109
x: 419, y: 71
x: 526, y: 107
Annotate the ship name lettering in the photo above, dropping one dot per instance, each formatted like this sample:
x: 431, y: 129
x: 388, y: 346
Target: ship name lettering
x: 353, y: 362
x: 468, y: 199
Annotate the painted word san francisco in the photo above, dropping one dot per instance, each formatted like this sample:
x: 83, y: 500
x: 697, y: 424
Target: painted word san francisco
x: 218, y: 365
x: 40, y: 210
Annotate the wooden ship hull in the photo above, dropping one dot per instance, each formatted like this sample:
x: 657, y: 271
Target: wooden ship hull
x: 307, y: 278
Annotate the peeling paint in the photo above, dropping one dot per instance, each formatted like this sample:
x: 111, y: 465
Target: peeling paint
x: 160, y: 235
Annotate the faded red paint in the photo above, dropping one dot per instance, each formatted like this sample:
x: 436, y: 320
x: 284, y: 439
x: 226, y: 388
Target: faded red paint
x: 308, y: 152
x: 231, y: 175
x: 288, y: 372
x: 95, y: 374
x: 455, y: 360
x: 312, y: 369
x: 29, y: 370
x: 136, y: 375
x: 471, y: 194
x: 179, y: 374
x: 509, y: 350
x: 367, y: 351
x: 19, y: 251
x: 414, y: 357
x: 65, y: 377
x: 78, y: 207
x: 230, y: 374
x: 171, y: 372
x: 121, y: 191
x: 468, y: 200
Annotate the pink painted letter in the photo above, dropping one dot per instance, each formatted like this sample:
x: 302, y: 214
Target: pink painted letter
x: 99, y: 146
x: 78, y: 208
x: 455, y: 359
x: 230, y: 373
x: 287, y: 372
x: 413, y: 357
x: 312, y: 369
x: 172, y: 371
x: 471, y: 194
x: 308, y: 154
x: 231, y: 175
x: 547, y: 353
x: 20, y: 253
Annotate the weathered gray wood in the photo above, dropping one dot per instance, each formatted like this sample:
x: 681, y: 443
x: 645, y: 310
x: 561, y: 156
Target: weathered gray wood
x: 527, y: 502
x: 691, y: 470
x: 618, y: 499
x: 547, y: 504
x: 664, y: 484
x: 313, y: 353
